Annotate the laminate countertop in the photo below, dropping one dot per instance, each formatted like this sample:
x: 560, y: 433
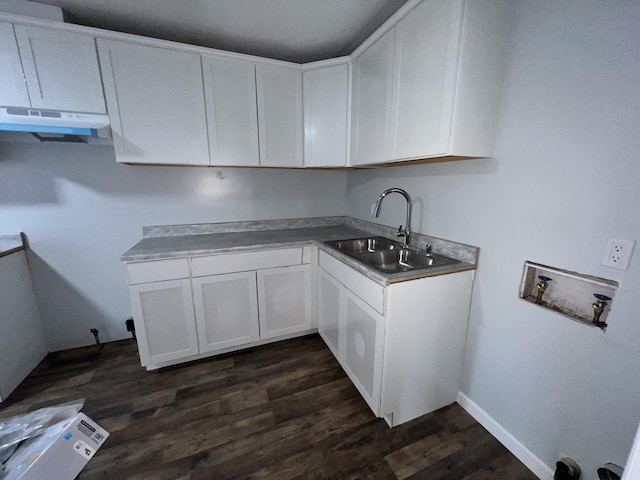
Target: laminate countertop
x: 10, y: 243
x: 176, y: 241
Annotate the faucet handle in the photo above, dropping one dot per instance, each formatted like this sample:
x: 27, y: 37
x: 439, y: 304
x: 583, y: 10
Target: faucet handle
x: 401, y: 232
x: 427, y: 249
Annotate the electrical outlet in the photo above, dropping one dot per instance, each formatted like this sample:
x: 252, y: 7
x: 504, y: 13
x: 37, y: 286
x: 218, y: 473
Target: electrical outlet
x: 618, y: 253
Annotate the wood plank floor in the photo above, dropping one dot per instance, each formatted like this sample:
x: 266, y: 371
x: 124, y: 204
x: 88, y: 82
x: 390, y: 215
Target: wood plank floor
x: 280, y: 411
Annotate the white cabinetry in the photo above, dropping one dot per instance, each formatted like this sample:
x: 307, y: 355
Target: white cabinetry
x: 444, y: 94
x: 279, y: 90
x: 401, y: 345
x: 61, y: 69
x: 363, y: 347
x: 329, y: 312
x: 13, y: 89
x: 371, y: 101
x: 191, y: 308
x: 268, y: 297
x: 254, y: 113
x: 226, y: 310
x: 326, y: 98
x: 351, y: 320
x: 230, y: 93
x: 162, y: 310
x: 426, y: 55
x: 156, y: 104
x: 50, y: 69
x: 284, y: 297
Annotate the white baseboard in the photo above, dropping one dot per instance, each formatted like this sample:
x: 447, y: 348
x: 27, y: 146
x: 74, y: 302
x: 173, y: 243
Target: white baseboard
x: 522, y: 453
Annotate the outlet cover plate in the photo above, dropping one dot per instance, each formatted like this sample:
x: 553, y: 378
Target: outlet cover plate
x: 618, y: 252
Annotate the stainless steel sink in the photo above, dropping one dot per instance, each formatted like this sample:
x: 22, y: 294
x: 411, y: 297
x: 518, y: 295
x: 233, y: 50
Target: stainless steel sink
x: 363, y: 245
x: 388, y: 256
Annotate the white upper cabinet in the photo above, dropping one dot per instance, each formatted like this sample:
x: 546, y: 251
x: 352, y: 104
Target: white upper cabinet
x: 279, y: 91
x: 443, y: 88
x: 481, y: 65
x: 371, y: 98
x: 230, y: 94
x: 156, y: 104
x: 61, y: 69
x: 424, y: 79
x: 326, y: 98
x: 13, y: 89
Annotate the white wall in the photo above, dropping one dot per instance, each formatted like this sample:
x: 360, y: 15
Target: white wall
x: 565, y: 177
x: 81, y: 211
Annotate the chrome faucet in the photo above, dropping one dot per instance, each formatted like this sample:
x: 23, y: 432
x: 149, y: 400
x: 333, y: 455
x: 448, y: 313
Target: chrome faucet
x: 406, y: 232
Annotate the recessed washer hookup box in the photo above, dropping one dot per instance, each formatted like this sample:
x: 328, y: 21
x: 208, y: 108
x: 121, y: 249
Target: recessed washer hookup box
x: 60, y: 453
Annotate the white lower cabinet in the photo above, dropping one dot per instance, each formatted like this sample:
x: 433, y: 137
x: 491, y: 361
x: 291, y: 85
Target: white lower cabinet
x: 329, y: 308
x: 226, y: 310
x: 284, y: 298
x: 352, y: 329
x: 363, y: 332
x: 164, y: 320
x: 401, y: 346
x: 186, y: 309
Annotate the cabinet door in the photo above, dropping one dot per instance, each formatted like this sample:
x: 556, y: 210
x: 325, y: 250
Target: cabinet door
x: 279, y: 115
x: 371, y: 102
x: 326, y: 92
x: 364, y: 343
x: 426, y: 55
x: 226, y: 310
x: 13, y: 89
x: 164, y: 320
x: 156, y: 106
x: 284, y: 299
x: 61, y: 69
x: 232, y: 114
x: 329, y: 312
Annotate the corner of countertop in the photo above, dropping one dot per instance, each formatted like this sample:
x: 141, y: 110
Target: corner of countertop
x: 11, y: 242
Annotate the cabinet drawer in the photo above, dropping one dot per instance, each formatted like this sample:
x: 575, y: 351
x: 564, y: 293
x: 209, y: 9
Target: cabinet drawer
x: 368, y: 290
x: 157, y: 271
x: 240, y: 262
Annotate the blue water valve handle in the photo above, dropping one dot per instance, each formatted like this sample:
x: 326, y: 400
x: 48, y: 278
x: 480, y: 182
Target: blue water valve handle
x: 545, y: 279
x: 602, y: 298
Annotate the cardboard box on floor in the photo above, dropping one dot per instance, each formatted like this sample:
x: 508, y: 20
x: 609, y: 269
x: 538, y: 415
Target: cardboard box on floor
x: 60, y: 452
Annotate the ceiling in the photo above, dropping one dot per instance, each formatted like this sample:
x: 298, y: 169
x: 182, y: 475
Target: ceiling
x: 294, y: 30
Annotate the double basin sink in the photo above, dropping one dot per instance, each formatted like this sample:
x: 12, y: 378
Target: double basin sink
x: 388, y: 256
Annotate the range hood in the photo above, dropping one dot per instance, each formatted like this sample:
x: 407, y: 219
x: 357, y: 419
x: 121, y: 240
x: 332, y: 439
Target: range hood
x: 54, y: 126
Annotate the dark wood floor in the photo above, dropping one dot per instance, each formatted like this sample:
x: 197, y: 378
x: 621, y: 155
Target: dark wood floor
x: 280, y: 411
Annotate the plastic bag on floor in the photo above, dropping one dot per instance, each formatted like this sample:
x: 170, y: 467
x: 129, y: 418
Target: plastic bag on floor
x: 29, y: 426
